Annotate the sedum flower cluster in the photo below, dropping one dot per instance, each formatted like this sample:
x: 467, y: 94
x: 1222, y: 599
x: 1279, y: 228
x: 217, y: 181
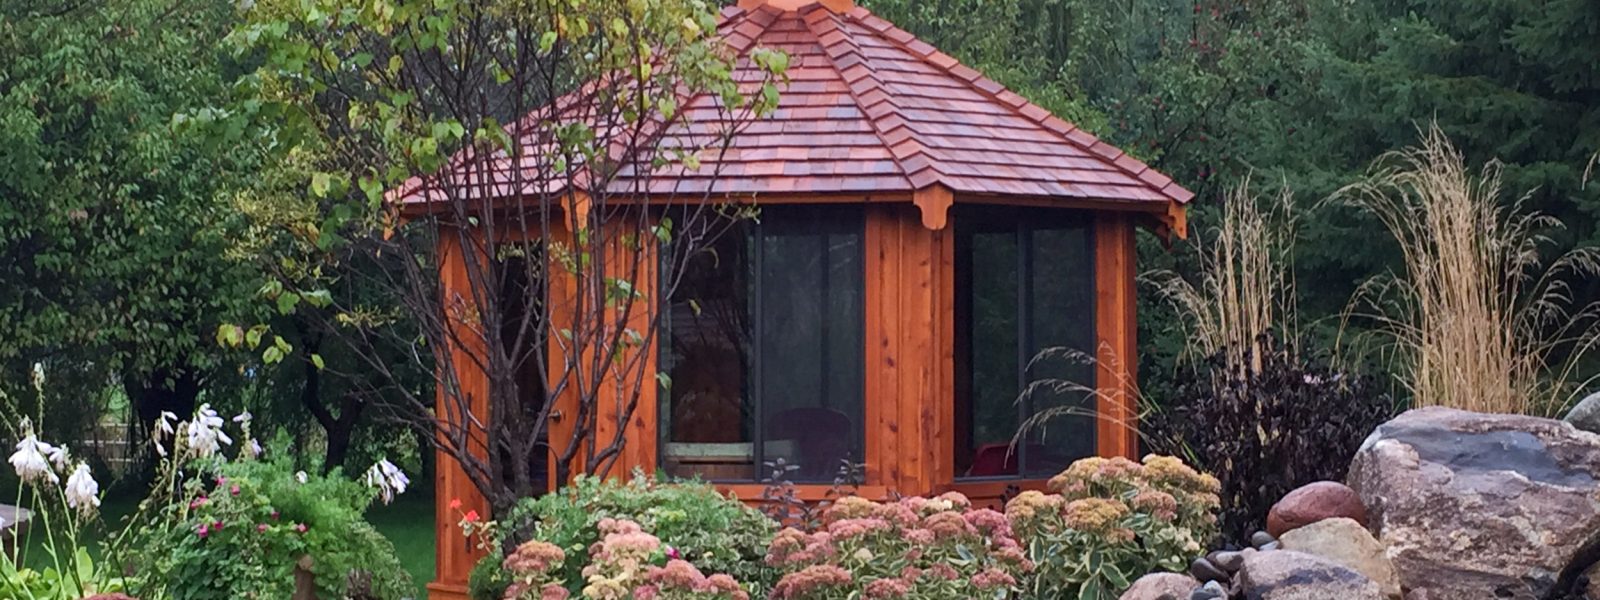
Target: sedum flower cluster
x: 627, y: 563
x: 914, y: 548
x: 1131, y: 517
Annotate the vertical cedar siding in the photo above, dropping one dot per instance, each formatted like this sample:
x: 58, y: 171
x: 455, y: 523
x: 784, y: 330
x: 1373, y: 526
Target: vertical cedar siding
x: 455, y: 553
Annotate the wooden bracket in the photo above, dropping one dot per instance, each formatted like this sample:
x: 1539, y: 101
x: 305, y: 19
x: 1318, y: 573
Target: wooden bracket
x: 934, y: 202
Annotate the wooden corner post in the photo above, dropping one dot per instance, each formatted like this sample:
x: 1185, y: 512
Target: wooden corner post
x: 455, y: 552
x: 1117, y: 349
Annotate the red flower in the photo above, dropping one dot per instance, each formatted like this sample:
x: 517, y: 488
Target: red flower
x: 455, y: 504
x: 472, y: 516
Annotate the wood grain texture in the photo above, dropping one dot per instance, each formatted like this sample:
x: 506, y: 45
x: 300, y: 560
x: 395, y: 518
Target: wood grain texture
x: 456, y: 553
x: 1116, y: 358
x: 910, y: 350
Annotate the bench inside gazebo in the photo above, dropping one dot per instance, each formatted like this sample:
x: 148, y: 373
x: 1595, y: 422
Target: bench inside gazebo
x: 924, y: 234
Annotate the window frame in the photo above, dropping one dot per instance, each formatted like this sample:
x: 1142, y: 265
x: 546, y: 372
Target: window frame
x: 754, y: 231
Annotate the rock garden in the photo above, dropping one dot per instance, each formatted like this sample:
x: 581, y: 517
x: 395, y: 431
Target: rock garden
x: 1439, y: 503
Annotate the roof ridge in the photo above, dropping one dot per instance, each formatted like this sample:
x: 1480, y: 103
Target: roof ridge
x: 861, y: 86
x: 1034, y: 113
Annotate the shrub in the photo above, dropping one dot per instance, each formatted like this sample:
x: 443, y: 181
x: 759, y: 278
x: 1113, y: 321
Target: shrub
x: 913, y: 548
x: 1268, y: 430
x: 241, y: 532
x: 1111, y: 520
x: 713, y: 533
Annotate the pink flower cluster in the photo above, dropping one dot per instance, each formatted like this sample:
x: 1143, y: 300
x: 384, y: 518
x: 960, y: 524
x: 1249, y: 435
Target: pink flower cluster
x: 532, y: 567
x: 943, y: 546
x: 679, y: 579
x: 626, y: 564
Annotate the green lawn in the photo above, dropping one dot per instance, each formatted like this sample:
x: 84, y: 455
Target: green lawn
x: 409, y: 524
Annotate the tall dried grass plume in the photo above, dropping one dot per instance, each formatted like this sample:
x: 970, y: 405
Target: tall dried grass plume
x: 1478, y: 317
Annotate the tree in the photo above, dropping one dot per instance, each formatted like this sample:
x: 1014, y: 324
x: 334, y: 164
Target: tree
x: 112, y: 223
x: 418, y: 117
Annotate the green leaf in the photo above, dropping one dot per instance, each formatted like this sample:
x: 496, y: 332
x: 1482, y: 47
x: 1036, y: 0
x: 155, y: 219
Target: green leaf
x: 287, y: 301
x: 321, y: 184
x: 318, y: 298
x: 252, y: 338
x: 316, y: 360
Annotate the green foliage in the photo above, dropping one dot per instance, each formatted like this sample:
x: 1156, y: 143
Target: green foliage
x: 111, y: 228
x: 1111, y: 521
x: 712, y: 532
x: 242, y: 531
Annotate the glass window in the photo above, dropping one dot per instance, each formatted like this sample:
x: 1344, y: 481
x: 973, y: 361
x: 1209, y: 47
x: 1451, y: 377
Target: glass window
x: 1025, y: 323
x: 764, y: 348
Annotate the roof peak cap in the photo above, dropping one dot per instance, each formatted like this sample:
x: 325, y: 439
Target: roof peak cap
x: 837, y: 6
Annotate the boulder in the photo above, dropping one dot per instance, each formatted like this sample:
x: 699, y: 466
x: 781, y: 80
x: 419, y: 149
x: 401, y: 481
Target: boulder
x: 1586, y: 414
x: 1314, y: 502
x: 1290, y: 575
x: 1346, y: 542
x: 13, y: 523
x: 1161, y: 586
x: 1475, y: 505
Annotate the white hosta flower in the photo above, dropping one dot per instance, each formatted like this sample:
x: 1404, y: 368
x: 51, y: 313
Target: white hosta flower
x: 38, y: 377
x: 59, y: 456
x: 162, y: 430
x: 83, y: 493
x: 243, y: 418
x: 30, y: 461
x: 388, y: 479
x: 254, y: 448
x: 205, y: 433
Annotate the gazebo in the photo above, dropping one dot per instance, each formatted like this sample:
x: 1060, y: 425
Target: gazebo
x: 926, y: 238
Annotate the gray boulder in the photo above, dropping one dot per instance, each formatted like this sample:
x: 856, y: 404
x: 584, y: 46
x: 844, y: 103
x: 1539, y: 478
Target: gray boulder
x: 1475, y: 505
x: 1290, y: 575
x: 1586, y: 415
x: 1346, y: 542
x: 1161, y: 586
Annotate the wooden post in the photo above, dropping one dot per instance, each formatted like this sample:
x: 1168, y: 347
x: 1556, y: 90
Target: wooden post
x: 454, y: 492
x: 1115, y: 301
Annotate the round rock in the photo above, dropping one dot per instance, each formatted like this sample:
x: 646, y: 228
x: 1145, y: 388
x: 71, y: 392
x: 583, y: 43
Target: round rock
x: 1161, y: 586
x: 1346, y: 542
x: 1314, y: 502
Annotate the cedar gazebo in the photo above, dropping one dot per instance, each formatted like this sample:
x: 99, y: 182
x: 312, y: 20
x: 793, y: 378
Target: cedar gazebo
x: 933, y: 234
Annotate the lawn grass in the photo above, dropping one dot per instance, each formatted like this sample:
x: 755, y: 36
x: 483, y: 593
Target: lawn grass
x: 408, y: 523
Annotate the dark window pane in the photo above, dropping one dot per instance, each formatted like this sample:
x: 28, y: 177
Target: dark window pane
x: 993, y: 414
x: 522, y: 333
x: 1025, y: 322
x: 1061, y: 336
x: 811, y: 339
x: 798, y: 285
x: 707, y: 428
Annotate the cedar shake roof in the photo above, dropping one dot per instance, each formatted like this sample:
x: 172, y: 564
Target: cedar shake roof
x: 869, y: 108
